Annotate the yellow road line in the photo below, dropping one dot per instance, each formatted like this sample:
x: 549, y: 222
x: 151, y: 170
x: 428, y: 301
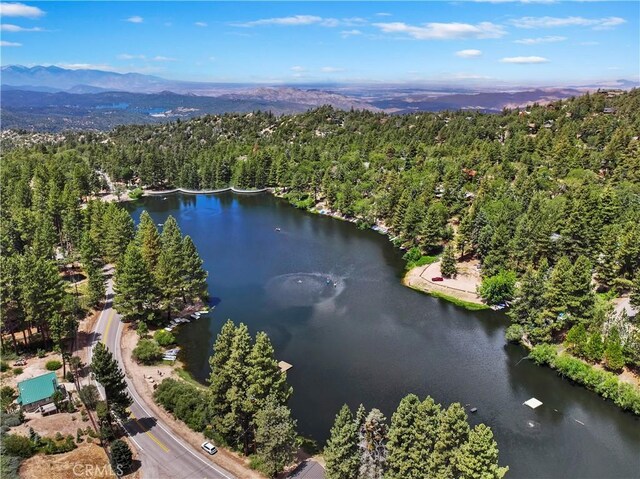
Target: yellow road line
x: 106, y: 331
x: 153, y: 438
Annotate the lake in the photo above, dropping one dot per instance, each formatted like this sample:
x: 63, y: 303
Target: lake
x: 330, y: 298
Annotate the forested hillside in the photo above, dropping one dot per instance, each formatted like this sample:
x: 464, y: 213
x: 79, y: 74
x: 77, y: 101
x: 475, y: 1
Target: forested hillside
x: 549, y: 195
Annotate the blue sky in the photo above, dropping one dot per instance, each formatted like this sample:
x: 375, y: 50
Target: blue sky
x: 497, y: 41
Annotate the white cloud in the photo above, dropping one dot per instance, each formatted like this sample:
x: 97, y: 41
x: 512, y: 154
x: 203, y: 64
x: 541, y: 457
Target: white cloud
x: 350, y: 33
x: 444, y: 31
x: 383, y: 14
x: 590, y: 43
x: 201, y: 24
x: 284, y: 21
x: 9, y: 44
x: 331, y: 69
x: 468, y: 53
x: 160, y: 58
x: 19, y: 10
x: 555, y: 22
x: 127, y: 56
x: 298, y: 68
x: 7, y: 27
x: 535, y: 41
x: 135, y: 19
x: 300, y: 20
x: 525, y: 60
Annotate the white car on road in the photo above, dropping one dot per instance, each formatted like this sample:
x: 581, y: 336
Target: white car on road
x: 209, y: 447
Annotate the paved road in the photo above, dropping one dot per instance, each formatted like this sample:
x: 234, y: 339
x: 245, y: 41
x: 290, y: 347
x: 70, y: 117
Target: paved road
x: 162, y: 454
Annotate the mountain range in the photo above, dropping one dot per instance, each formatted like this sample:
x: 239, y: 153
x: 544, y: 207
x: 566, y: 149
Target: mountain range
x: 50, y: 98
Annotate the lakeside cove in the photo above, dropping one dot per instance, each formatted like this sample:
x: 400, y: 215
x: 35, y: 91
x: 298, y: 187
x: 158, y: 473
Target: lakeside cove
x: 424, y: 345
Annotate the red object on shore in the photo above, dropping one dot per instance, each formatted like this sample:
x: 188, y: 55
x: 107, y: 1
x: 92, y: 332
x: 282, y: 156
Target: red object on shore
x: 437, y: 278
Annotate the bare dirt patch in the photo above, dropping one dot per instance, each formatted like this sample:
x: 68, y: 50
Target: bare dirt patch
x: 463, y: 286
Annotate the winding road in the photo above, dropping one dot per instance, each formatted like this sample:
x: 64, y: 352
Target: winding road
x: 161, y: 453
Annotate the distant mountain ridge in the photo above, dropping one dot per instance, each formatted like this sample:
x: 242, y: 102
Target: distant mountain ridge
x: 52, y: 98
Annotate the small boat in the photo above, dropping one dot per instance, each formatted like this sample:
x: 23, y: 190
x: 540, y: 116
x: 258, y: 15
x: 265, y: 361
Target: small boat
x: 299, y: 281
x: 168, y: 328
x: 328, y: 281
x: 473, y: 409
x: 277, y: 229
x: 335, y: 285
x: 193, y: 316
x: 160, y: 224
x: 203, y: 311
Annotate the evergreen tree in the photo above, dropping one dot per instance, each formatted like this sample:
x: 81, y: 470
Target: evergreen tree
x: 108, y: 373
x: 556, y: 295
x: 341, y: 454
x: 169, y: 270
x: 580, y: 295
x: 577, y: 339
x: 220, y: 378
x: 41, y: 290
x: 406, y: 437
x: 121, y: 457
x: 448, y: 266
x: 478, y: 457
x: 148, y: 239
x: 373, y: 450
x: 236, y: 424
x: 264, y: 377
x: 276, y: 438
x: 529, y: 302
x: 595, y: 347
x: 453, y: 432
x: 134, y: 287
x: 119, y: 232
x: 613, y: 354
x: 194, y: 282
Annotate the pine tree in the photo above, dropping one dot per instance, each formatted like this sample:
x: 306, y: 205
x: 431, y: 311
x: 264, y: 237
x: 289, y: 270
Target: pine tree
x: 529, y: 299
x: 148, y: 239
x: 478, y: 457
x: 108, y: 373
x: 581, y: 297
x: 373, y: 450
x: 41, y: 290
x: 134, y: 287
x: 194, y: 276
x: 577, y: 339
x: 556, y: 295
x: 613, y: 354
x: 595, y: 347
x: 121, y: 457
x: 119, y: 232
x: 406, y: 438
x: 264, y: 377
x: 169, y: 270
x: 276, y: 438
x: 233, y: 415
x: 453, y: 432
x: 341, y: 454
x: 220, y: 379
x: 448, y: 266
x: 92, y: 261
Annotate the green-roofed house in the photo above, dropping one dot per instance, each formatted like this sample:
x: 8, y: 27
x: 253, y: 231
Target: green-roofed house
x: 38, y: 392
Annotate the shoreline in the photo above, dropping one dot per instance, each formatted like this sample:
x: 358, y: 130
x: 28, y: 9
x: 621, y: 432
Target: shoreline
x: 415, y: 278
x: 456, y: 291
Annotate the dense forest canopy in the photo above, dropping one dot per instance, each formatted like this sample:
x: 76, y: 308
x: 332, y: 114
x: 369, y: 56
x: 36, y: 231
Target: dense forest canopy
x: 549, y: 195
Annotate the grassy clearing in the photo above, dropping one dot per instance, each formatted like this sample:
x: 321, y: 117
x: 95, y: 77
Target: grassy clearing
x: 186, y: 376
x: 458, y: 302
x: 422, y: 261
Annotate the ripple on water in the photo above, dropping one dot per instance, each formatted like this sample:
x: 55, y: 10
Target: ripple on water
x: 303, y: 289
